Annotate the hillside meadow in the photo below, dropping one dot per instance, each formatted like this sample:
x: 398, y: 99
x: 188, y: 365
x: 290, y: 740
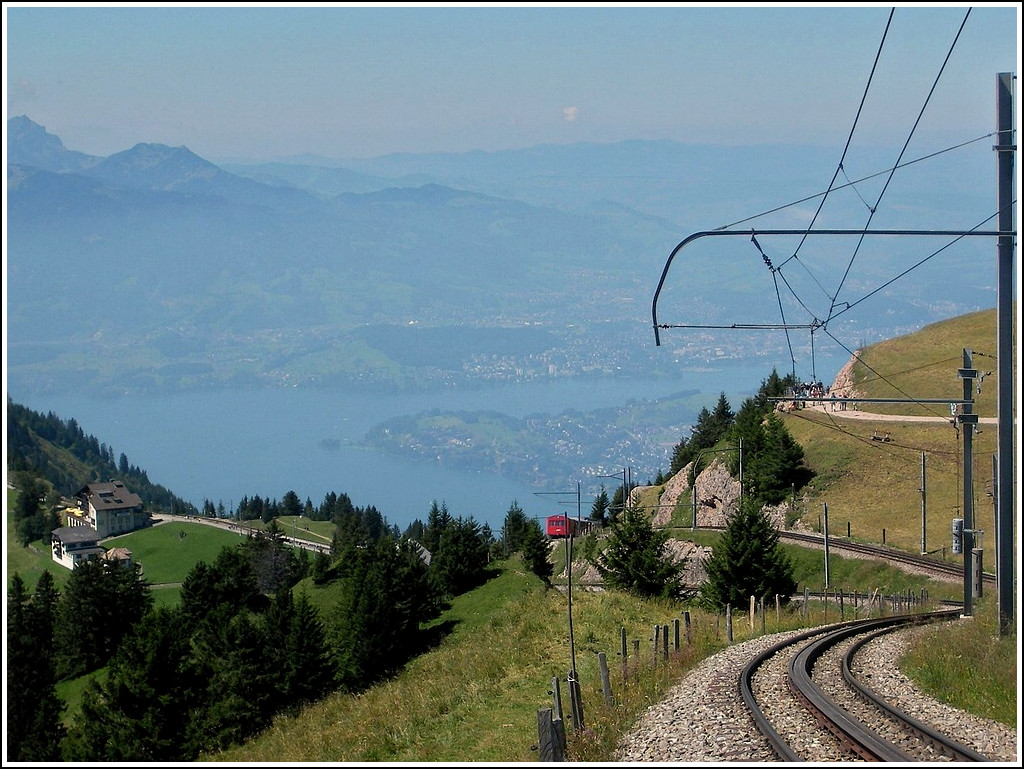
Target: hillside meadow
x: 877, y: 486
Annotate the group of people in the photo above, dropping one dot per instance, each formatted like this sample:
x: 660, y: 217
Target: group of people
x: 807, y: 390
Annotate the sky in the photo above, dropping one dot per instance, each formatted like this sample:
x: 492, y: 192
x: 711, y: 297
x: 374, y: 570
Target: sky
x: 350, y: 80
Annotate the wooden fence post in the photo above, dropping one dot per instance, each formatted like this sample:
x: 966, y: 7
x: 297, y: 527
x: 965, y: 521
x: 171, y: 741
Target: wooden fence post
x: 556, y: 693
x: 606, y: 684
x: 550, y: 736
x: 664, y: 643
x: 752, y: 600
x: 686, y: 622
x: 728, y: 622
x: 675, y: 634
x: 624, y: 654
x: 761, y: 602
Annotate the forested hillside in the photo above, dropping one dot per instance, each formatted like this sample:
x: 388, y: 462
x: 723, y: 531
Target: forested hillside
x: 46, y: 447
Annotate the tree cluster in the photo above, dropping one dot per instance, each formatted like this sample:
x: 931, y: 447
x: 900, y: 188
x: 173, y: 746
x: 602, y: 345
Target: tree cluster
x: 709, y: 429
x: 239, y: 648
x: 772, y: 461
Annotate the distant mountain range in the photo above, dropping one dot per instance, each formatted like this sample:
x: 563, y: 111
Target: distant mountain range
x: 156, y: 270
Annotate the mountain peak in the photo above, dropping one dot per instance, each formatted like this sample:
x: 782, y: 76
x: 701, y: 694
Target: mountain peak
x: 30, y: 144
x: 155, y: 166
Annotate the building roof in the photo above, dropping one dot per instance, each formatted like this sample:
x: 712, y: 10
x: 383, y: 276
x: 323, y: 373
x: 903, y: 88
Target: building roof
x: 110, y: 496
x: 68, y: 534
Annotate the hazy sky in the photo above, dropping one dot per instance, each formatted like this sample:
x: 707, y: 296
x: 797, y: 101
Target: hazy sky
x: 357, y: 80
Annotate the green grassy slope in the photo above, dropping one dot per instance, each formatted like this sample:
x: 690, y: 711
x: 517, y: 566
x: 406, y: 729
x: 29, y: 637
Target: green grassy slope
x: 877, y: 486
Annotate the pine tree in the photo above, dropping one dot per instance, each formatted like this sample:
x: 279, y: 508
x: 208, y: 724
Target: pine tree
x: 100, y: 603
x: 748, y: 560
x: 536, y: 552
x: 637, y: 558
x: 461, y: 557
x: 772, y: 459
x: 142, y: 708
x: 599, y: 510
x: 34, y: 727
x: 438, y: 520
x: 514, y: 530
x: 385, y: 594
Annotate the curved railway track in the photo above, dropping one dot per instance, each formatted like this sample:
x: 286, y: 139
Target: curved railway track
x: 815, y: 661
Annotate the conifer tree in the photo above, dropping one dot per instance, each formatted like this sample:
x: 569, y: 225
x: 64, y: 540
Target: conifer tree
x: 461, y: 557
x: 438, y: 520
x: 100, y: 603
x: 637, y: 558
x: 142, y: 709
x: 536, y: 552
x: 34, y: 727
x: 772, y: 459
x: 599, y: 510
x: 514, y: 530
x: 385, y: 594
x: 748, y: 560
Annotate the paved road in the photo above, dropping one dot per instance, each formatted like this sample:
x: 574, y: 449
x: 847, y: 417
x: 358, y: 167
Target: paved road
x: 229, y: 525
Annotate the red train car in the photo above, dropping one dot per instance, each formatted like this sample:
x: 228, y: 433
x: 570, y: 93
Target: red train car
x: 559, y: 526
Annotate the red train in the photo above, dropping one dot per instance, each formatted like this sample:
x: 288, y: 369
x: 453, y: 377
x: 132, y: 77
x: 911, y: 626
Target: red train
x: 560, y: 526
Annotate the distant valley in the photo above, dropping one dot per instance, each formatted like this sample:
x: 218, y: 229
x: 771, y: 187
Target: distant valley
x: 155, y: 270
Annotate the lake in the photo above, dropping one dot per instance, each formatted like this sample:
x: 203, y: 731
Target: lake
x: 223, y: 445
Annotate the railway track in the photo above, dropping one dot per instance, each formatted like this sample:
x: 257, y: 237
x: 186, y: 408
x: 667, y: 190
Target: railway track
x: 948, y: 571
x: 810, y: 705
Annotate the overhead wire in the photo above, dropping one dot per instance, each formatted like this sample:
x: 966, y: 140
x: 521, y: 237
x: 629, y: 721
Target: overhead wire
x: 821, y: 203
x: 850, y: 305
x: 832, y: 424
x: 832, y: 313
x: 885, y: 187
x: 929, y: 156
x: 884, y: 378
x: 836, y: 308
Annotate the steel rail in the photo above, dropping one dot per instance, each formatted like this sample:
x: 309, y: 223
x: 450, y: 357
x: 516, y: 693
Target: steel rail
x: 855, y: 736
x: 942, y: 742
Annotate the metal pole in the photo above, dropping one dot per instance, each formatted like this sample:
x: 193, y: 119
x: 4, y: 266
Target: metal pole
x: 1006, y: 152
x: 741, y: 471
x: 693, y: 493
x: 826, y: 548
x: 924, y: 540
x: 968, y: 374
x: 568, y: 571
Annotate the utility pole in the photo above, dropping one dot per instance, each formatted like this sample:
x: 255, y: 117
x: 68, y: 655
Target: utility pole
x: 1006, y: 235
x: 1003, y: 483
x: 968, y: 419
x: 924, y: 539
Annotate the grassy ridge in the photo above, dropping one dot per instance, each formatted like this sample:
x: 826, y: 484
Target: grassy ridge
x: 876, y: 486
